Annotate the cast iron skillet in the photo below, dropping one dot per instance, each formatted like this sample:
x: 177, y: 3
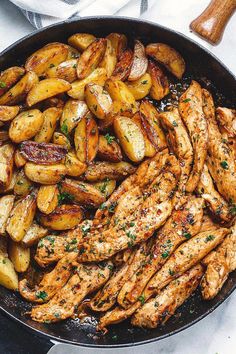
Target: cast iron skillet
x: 201, y: 65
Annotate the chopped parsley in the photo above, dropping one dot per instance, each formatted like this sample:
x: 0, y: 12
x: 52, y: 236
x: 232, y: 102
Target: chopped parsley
x: 64, y: 128
x: 142, y: 299
x: 51, y: 65
x: 187, y: 235
x: 225, y: 165
x: 2, y: 84
x: 144, y: 82
x: 104, y: 185
x: 64, y: 197
x: 171, y: 272
x: 232, y: 209
x: 41, y: 295
x: 187, y: 100
x: 209, y: 238
x: 102, y: 206
x: 174, y: 123
x: 111, y: 208
x: 165, y: 254
x: 109, y: 138
x: 85, y: 229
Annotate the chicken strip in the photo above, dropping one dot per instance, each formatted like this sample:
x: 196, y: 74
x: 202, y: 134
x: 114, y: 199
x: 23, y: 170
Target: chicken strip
x: 182, y: 225
x: 190, y: 108
x: 216, y: 202
x: 220, y: 161
x: 158, y: 310
x: 87, y: 279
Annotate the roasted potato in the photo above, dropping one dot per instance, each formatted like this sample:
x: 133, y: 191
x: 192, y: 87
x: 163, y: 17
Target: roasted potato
x: 50, y: 118
x: 123, y: 66
x: 141, y: 87
x: 19, y: 160
x: 106, y: 187
x: 4, y: 136
x: 17, y: 93
x: 122, y: 97
x: 44, y: 174
x: 98, y: 100
x: 139, y: 63
x: 19, y: 255
x: 64, y: 217
x: 73, y: 112
x: 98, y: 76
x: 110, y: 59
x: 56, y: 102
x: 102, y: 170
x: 81, y: 41
x: 118, y: 42
x: 33, y: 234
x: 21, y: 217
x: 74, y: 167
x: 7, y: 113
x: 46, y: 57
x: 61, y: 139
x: 6, y: 204
x: 6, y: 164
x: 160, y: 84
x: 150, y: 150
x: 167, y: 56
x: 73, y: 53
x: 91, y: 57
x: 9, y: 77
x: 109, y: 149
x: 47, y: 198
x: 65, y: 70
x: 23, y: 185
x: 43, y: 153
x: 11, y: 185
x: 8, y: 275
x: 26, y: 125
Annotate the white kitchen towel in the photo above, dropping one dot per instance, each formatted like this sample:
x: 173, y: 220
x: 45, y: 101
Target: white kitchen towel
x: 41, y: 13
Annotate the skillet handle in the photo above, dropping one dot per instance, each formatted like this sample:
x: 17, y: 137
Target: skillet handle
x: 211, y: 23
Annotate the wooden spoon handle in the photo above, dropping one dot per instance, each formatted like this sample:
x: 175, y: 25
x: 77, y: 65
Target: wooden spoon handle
x: 211, y: 23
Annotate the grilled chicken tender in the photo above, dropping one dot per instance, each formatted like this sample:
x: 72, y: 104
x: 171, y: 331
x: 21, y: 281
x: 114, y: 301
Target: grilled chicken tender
x: 190, y: 108
x: 164, y: 305
x: 182, y: 225
x: 220, y: 161
x: 87, y: 279
x: 207, y: 190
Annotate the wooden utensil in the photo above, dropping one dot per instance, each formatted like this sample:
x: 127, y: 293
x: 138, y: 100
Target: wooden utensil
x: 211, y: 23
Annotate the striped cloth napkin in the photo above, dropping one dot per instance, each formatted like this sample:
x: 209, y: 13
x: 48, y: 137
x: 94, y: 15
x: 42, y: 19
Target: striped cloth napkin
x: 42, y: 13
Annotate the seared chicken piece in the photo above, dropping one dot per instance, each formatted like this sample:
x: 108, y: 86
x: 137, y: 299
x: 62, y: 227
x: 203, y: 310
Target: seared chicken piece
x: 182, y: 225
x: 220, y: 161
x: 158, y: 310
x: 208, y: 224
x: 51, y: 282
x: 226, y: 117
x: 87, y: 279
x: 206, y: 189
x: 190, y: 108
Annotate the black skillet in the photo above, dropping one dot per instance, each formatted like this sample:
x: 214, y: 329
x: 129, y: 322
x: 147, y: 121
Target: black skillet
x: 200, y: 65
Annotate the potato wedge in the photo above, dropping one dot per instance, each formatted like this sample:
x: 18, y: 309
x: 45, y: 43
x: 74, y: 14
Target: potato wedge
x: 34, y: 233
x: 19, y: 255
x: 46, y: 88
x: 73, y: 112
x: 150, y: 150
x: 109, y: 60
x: 141, y: 87
x: 167, y: 56
x: 74, y: 167
x: 43, y: 153
x: 130, y: 137
x: 9, y: 77
x: 26, y: 125
x: 123, y: 66
x: 19, y: 159
x: 65, y: 70
x: 23, y: 185
x: 109, y: 149
x: 160, y: 83
x: 44, y: 174
x: 6, y: 205
x: 73, y: 53
x: 102, y: 170
x: 55, y: 102
x: 82, y: 193
x: 122, y: 97
x: 81, y: 41
x: 50, y: 118
x: 140, y: 62
x: 91, y: 57
x: 50, y: 55
x: 7, y: 113
x: 98, y: 100
x: 8, y: 275
x: 64, y: 217
x: 11, y: 185
x: 3, y: 246
x: 47, y: 198
x: 61, y: 139
x: 21, y: 217
x: 17, y: 93
x: 118, y: 42
x: 6, y: 165
x: 106, y: 187
x: 98, y: 76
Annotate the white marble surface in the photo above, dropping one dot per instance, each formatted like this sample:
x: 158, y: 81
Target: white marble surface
x: 215, y: 334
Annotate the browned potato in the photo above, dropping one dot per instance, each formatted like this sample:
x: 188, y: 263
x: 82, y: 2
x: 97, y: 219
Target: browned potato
x: 46, y: 57
x: 130, y: 137
x: 118, y: 42
x: 55, y: 102
x: 98, y: 100
x: 43, y: 153
x: 21, y: 217
x: 50, y: 118
x: 140, y: 62
x: 17, y: 93
x: 160, y: 84
x: 8, y: 275
x: 6, y: 204
x: 61, y: 139
x: 7, y: 113
x: 73, y: 112
x: 26, y: 125
x: 167, y: 56
x: 106, y: 187
x: 109, y: 149
x: 4, y: 136
x: 46, y: 88
x: 19, y: 159
x: 9, y: 77
x: 110, y: 59
x: 65, y: 70
x: 91, y: 57
x: 98, y: 76
x: 123, y: 66
x: 20, y: 256
x: 64, y: 217
x: 11, y: 185
x: 73, y: 53
x: 22, y: 185
x: 6, y: 164
x: 150, y: 150
x: 34, y: 233
x: 102, y: 170
x: 82, y: 193
x: 74, y: 167
x: 44, y: 174
x: 47, y: 198
x: 141, y: 87
x: 81, y: 41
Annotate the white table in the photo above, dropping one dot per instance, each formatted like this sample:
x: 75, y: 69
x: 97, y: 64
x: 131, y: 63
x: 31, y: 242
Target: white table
x: 216, y: 333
